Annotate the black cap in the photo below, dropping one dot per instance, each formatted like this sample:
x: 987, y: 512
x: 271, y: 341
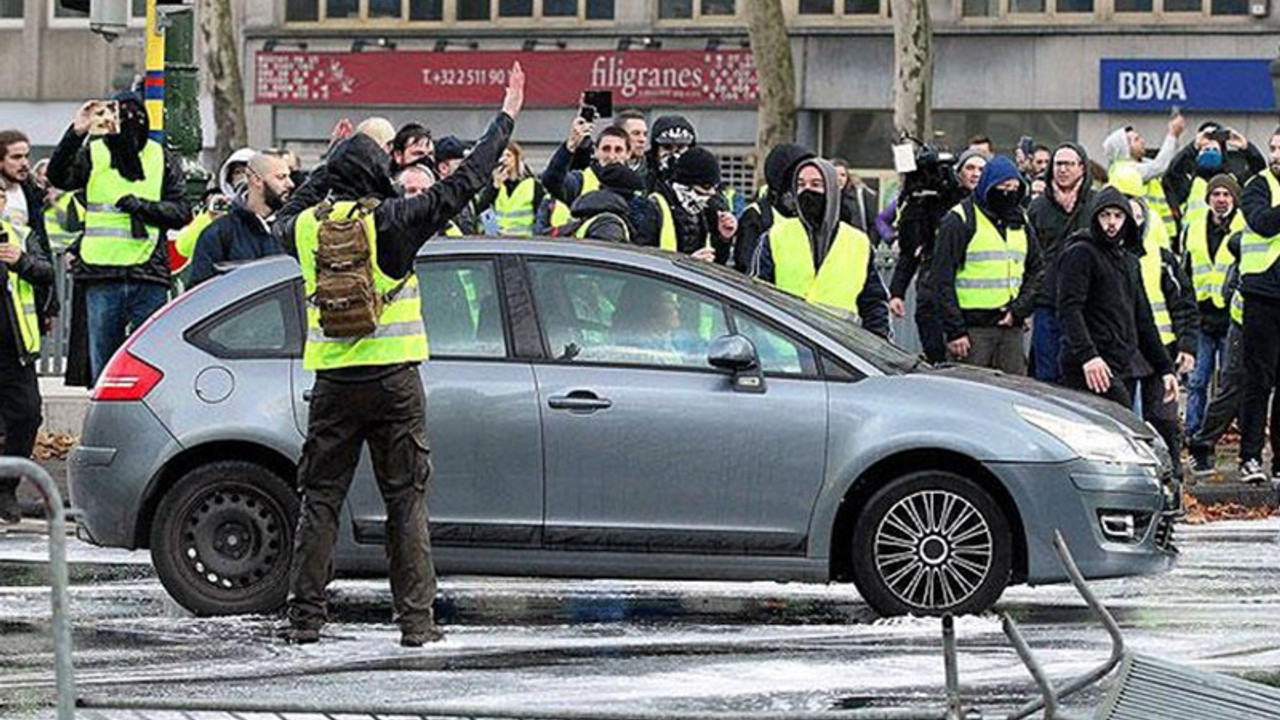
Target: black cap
x: 450, y: 148
x: 672, y: 130
x: 697, y: 166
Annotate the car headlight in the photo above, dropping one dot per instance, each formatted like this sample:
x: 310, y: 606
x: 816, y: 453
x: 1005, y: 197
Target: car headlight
x: 1090, y: 441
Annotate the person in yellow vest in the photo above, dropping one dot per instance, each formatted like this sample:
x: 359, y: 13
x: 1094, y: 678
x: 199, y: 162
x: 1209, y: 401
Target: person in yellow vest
x: 685, y: 214
x: 605, y: 214
x: 63, y: 219
x: 134, y: 194
x: 986, y: 269
x: 1224, y: 407
x: 1216, y: 149
x: 611, y: 147
x: 1260, y: 288
x: 1127, y: 146
x: 816, y: 256
x: 775, y: 197
x: 1208, y: 256
x: 23, y: 268
x: 1109, y: 336
x: 25, y: 209
x: 368, y: 389
x: 516, y: 197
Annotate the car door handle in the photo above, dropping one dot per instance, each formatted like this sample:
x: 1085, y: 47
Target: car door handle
x: 580, y: 400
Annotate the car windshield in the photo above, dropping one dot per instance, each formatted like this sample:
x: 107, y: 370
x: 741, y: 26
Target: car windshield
x: 885, y: 356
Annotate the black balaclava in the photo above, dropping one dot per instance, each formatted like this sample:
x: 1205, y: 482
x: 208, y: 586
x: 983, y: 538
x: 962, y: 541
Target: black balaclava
x: 126, y: 146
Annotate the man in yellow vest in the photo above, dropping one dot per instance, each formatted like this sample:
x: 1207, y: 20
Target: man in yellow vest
x: 611, y: 147
x: 1126, y: 146
x: 1260, y: 288
x: 1216, y: 149
x: 1223, y: 409
x: 134, y: 194
x: 816, y: 256
x: 368, y: 389
x: 23, y: 268
x: 986, y: 269
x: 685, y: 214
x: 1207, y: 258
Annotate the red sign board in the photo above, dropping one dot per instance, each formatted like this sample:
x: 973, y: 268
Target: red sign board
x: 553, y: 79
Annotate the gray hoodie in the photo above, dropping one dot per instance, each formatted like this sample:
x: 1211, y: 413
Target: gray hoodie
x: 1116, y: 149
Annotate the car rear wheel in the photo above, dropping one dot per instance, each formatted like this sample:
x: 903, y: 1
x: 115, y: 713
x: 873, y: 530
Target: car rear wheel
x: 930, y: 543
x: 222, y: 539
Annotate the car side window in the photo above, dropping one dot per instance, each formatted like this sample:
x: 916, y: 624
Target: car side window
x: 265, y: 325
x: 462, y: 309
x: 591, y: 314
x: 779, y: 354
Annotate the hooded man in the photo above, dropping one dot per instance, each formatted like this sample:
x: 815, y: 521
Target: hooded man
x: 816, y: 256
x: 243, y: 233
x: 368, y: 388
x: 684, y: 215
x: 986, y: 269
x: 779, y: 198
x: 1126, y: 146
x: 1109, y: 337
x: 605, y: 214
x: 1055, y: 215
x: 232, y: 181
x: 135, y: 193
x: 669, y: 138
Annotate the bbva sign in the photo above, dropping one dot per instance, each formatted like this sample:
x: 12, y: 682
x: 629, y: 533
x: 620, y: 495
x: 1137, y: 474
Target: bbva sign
x: 1142, y: 85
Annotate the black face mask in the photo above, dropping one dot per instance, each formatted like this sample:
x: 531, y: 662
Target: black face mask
x: 812, y: 206
x: 1004, y: 203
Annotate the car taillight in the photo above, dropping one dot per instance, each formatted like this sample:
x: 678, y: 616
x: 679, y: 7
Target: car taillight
x: 125, y: 378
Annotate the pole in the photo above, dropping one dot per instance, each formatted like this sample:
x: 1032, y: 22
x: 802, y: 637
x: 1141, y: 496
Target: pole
x: 153, y: 93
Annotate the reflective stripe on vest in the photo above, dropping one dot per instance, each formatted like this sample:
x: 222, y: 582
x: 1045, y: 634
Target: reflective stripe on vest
x: 1152, y: 269
x: 843, y: 273
x: 515, y: 211
x: 1258, y: 253
x: 1159, y: 206
x: 400, y: 337
x: 1197, y: 205
x: 185, y: 241
x: 1237, y: 307
x: 583, y: 229
x: 1208, y: 274
x: 451, y: 229
x: 993, y: 265
x: 22, y: 297
x: 560, y: 214
x: 57, y: 218
x: 667, y: 235
x: 108, y: 233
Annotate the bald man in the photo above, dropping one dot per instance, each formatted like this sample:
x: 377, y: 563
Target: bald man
x: 245, y: 233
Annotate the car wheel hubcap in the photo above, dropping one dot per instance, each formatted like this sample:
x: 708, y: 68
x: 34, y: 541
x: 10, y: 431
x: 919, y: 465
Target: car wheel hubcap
x: 232, y: 537
x: 933, y: 549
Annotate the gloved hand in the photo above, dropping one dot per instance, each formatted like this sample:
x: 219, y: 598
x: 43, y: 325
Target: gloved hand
x: 128, y: 204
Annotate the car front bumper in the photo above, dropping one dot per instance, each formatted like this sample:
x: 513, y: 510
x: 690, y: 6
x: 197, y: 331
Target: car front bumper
x: 1117, y: 520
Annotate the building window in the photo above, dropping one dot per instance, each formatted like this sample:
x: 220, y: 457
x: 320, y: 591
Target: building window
x: 301, y: 11
x: 347, y: 11
x: 980, y: 8
x: 811, y: 10
x: 861, y: 7
x: 11, y: 9
x: 675, y: 9
x: 342, y: 9
x: 515, y: 8
x: 1229, y: 7
x: 817, y: 7
x: 1134, y: 6
x: 600, y: 9
x: 384, y: 9
x: 696, y: 9
x: 560, y: 8
x: 718, y: 7
x: 1026, y: 6
x: 426, y: 10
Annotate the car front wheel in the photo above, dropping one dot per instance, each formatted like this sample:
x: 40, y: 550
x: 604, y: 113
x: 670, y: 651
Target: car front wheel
x: 222, y: 539
x: 930, y: 543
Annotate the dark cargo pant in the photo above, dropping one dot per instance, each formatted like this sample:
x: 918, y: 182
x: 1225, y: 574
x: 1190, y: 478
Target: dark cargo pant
x: 390, y: 413
x: 1224, y: 406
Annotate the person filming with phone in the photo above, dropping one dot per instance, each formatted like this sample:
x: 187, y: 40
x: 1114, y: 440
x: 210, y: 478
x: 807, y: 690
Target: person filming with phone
x: 134, y: 193
x: 243, y: 233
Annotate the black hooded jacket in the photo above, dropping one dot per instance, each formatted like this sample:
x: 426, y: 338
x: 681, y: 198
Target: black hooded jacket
x: 756, y: 219
x: 1101, y: 301
x: 612, y: 212
x: 1053, y: 225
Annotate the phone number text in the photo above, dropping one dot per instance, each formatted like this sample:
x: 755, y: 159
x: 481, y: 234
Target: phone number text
x: 455, y: 77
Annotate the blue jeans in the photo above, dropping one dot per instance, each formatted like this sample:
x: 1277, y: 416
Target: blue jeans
x: 116, y: 309
x: 1210, y: 354
x: 1046, y: 345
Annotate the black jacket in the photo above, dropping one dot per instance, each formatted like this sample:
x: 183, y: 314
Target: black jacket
x: 1053, y: 225
x: 950, y: 250
x: 35, y: 268
x: 693, y: 232
x: 1101, y: 302
x: 613, y: 213
x: 237, y: 236
x: 358, y: 168
x: 69, y: 169
x: 1264, y: 220
x: 47, y: 305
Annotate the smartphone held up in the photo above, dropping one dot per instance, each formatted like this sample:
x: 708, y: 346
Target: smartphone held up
x: 596, y: 104
x: 104, y: 118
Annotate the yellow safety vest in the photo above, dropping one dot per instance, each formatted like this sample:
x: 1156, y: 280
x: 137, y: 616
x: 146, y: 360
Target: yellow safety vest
x: 451, y: 229
x: 1194, y: 210
x: 1159, y: 206
x: 1237, y: 307
x: 843, y: 273
x: 515, y: 210
x: 1152, y: 270
x: 22, y: 296
x: 185, y: 240
x: 108, y: 233
x: 1258, y: 253
x: 400, y: 337
x: 993, y: 265
x: 1208, y: 274
x: 58, y: 217
x: 667, y: 235
x: 581, y: 232
x: 560, y: 214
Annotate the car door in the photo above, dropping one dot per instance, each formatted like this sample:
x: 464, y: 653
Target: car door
x: 648, y: 448
x: 482, y: 418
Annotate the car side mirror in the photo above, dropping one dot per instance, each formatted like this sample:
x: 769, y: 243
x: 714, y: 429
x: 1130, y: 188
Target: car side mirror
x: 737, y: 354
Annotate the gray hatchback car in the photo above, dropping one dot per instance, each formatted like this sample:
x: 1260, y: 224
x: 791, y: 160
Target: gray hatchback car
x: 605, y: 411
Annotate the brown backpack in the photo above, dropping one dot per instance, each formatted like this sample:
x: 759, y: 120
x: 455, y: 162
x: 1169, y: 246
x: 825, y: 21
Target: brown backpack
x: 346, y: 296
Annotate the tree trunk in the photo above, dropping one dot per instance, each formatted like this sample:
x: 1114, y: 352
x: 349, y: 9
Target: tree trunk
x: 771, y: 48
x: 222, y: 59
x: 913, y: 61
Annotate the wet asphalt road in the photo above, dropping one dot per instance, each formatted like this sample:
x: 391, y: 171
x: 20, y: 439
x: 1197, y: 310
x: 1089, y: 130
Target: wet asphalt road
x: 665, y: 647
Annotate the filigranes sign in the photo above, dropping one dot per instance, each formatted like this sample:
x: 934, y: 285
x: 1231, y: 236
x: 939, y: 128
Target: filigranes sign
x: 554, y: 79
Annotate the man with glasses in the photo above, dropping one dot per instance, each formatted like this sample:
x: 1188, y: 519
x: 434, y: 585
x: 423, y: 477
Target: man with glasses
x: 1054, y: 216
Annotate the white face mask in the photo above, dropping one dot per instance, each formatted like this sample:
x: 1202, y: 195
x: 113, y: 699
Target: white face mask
x: 691, y: 201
